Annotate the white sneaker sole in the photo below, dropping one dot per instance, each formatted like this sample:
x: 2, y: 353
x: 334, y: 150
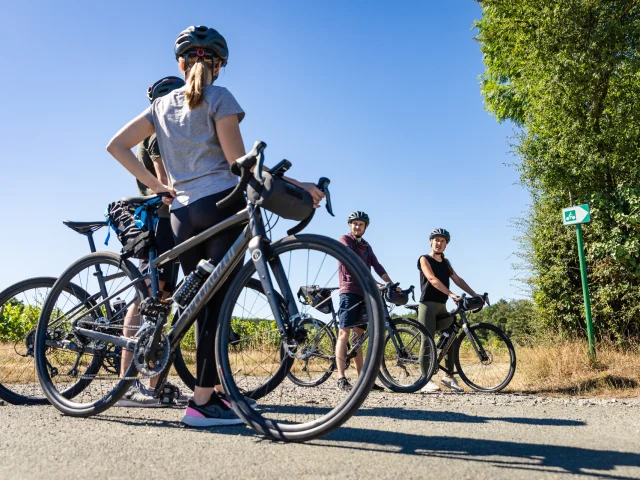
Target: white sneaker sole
x: 131, y: 404
x: 210, y: 422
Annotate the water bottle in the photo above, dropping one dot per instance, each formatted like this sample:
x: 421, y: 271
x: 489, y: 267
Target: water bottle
x: 443, y: 339
x: 192, y: 283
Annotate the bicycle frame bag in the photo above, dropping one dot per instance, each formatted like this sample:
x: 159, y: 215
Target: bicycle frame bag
x: 473, y: 303
x: 128, y: 220
x: 318, y: 298
x: 280, y: 197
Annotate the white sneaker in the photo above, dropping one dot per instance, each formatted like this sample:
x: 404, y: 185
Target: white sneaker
x: 451, y: 383
x: 139, y: 396
x: 430, y: 387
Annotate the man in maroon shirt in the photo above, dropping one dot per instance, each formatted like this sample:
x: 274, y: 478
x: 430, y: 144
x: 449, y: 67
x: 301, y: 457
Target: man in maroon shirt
x: 352, y: 308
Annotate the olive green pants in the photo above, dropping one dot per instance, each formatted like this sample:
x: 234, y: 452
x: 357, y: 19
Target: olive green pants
x: 435, y: 317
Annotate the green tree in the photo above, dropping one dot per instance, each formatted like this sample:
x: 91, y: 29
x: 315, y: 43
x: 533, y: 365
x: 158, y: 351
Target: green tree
x: 567, y: 74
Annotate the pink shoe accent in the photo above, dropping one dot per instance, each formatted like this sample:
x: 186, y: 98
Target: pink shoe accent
x: 191, y: 412
x: 228, y: 404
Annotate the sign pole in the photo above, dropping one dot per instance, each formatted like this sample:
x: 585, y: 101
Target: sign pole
x: 585, y: 291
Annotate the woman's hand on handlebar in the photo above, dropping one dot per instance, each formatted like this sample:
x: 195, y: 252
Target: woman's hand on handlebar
x: 454, y: 297
x: 160, y: 188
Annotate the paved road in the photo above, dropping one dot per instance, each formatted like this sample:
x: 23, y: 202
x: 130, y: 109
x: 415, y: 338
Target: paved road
x: 393, y: 436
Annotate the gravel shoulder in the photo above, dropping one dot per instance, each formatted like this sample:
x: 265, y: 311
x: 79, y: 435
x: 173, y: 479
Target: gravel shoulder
x: 392, y: 436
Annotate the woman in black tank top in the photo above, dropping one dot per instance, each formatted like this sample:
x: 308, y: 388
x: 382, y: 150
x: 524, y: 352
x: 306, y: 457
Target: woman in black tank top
x: 435, y: 272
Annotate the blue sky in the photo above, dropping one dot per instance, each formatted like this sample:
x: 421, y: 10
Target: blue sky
x: 381, y: 97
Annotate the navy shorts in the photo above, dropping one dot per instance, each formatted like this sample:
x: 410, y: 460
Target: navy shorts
x: 164, y: 242
x: 352, y: 311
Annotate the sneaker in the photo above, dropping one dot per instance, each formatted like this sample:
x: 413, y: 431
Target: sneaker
x: 223, y: 396
x: 451, y: 383
x: 211, y: 414
x: 139, y: 396
x: 343, y: 384
x: 377, y: 388
x: 430, y: 387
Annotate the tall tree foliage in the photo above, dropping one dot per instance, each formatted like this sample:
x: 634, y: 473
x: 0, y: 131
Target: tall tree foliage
x: 567, y: 74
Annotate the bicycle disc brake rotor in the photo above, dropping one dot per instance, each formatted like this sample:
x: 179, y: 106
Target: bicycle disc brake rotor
x: 163, y: 351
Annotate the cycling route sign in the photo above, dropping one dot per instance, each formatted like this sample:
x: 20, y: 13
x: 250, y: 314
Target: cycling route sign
x: 576, y: 214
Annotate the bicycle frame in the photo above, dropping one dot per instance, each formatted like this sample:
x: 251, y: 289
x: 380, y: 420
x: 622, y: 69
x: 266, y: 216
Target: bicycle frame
x: 463, y: 324
x: 252, y: 238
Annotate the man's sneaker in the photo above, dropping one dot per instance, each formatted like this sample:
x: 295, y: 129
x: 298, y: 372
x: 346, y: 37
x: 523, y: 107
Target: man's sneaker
x: 139, y: 396
x: 451, y: 383
x: 430, y: 387
x: 212, y: 414
x: 377, y: 388
x: 223, y: 396
x: 343, y: 384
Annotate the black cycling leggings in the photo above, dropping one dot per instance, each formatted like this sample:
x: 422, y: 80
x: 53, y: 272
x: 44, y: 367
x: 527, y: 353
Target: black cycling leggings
x: 187, y: 222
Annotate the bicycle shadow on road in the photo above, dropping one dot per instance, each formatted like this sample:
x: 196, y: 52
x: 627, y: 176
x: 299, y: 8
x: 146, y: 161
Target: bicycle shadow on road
x: 502, y: 454
x: 428, y: 416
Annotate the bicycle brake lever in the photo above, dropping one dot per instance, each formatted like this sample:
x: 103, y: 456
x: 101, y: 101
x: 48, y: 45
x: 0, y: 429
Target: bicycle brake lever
x: 323, y: 184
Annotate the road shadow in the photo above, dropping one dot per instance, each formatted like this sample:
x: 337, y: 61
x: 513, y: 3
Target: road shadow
x: 426, y: 415
x: 502, y: 454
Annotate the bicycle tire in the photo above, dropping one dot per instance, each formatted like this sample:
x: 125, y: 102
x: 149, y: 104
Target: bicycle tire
x: 326, y: 333
x: 476, y: 330
x: 187, y: 376
x: 413, y: 330
x: 63, y: 400
x: 8, y: 393
x: 300, y: 432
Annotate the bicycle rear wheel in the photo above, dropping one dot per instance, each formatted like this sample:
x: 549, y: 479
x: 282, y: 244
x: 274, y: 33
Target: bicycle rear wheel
x: 485, y: 358
x: 292, y: 412
x: 20, y: 307
x: 81, y: 376
x: 400, y: 370
x: 317, y: 355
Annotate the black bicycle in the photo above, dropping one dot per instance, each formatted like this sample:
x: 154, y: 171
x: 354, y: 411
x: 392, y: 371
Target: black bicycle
x: 20, y: 308
x: 401, y: 369
x: 483, y: 355
x: 253, y: 329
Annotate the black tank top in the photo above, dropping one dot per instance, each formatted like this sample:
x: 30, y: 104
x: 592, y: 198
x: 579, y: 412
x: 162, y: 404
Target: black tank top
x: 441, y: 271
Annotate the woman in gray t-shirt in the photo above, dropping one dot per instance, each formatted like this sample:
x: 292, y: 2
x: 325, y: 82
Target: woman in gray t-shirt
x: 197, y: 129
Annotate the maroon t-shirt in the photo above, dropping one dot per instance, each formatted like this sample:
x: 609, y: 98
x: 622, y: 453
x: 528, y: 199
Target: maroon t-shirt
x: 365, y: 252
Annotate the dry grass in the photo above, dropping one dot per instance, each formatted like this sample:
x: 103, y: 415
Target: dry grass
x: 565, y: 369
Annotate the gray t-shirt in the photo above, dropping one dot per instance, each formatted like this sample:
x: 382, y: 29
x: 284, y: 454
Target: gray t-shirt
x: 189, y: 143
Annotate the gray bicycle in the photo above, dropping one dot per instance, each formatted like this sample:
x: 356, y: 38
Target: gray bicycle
x: 256, y: 343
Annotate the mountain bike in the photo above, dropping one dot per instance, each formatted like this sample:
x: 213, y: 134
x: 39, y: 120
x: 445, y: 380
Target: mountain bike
x: 400, y: 369
x: 483, y: 355
x: 68, y: 330
x: 20, y: 307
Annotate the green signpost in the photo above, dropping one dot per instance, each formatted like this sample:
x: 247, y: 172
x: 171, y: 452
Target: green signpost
x: 577, y: 215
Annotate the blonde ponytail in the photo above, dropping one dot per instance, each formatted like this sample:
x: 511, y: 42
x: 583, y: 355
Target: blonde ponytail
x: 196, y: 81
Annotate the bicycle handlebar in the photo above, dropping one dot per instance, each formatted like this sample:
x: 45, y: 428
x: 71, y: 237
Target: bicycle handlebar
x: 460, y: 303
x: 242, y: 168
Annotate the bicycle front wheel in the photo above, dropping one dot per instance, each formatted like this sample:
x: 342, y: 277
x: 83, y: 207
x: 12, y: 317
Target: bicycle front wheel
x: 289, y: 411
x: 401, y: 369
x: 485, y: 358
x: 79, y: 375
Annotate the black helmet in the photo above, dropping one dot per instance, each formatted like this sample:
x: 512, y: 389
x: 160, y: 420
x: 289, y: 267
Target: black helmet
x: 202, y: 37
x: 163, y: 86
x: 440, y: 232
x: 359, y: 215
